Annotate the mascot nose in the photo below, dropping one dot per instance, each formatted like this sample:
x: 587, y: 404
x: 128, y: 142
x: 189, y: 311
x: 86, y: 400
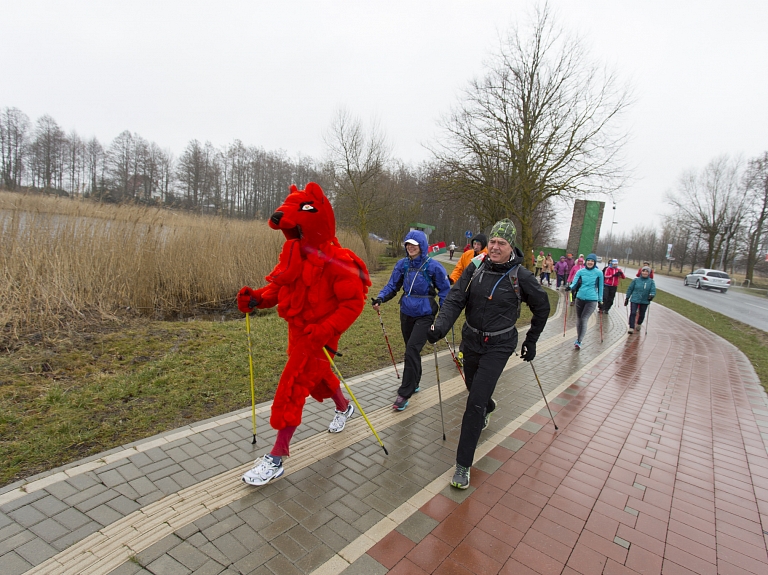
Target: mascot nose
x: 276, y: 217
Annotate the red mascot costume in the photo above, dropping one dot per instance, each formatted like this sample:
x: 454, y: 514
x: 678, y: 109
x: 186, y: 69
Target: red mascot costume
x: 319, y: 289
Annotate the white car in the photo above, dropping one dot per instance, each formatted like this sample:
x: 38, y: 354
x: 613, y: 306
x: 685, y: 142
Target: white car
x: 708, y: 279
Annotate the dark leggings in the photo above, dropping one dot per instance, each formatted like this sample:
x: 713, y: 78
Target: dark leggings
x: 635, y: 307
x: 414, y: 331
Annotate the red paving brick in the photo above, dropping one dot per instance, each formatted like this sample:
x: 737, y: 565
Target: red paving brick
x: 654, y: 470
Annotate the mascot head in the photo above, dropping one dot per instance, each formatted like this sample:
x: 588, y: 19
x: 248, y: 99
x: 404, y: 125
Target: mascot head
x: 305, y: 215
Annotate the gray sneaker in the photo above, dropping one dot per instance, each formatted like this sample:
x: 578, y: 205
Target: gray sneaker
x: 263, y: 471
x: 340, y: 419
x: 488, y: 415
x: 461, y: 477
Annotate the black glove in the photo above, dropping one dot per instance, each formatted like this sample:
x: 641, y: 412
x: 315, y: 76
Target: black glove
x: 376, y: 301
x: 450, y: 280
x: 528, y: 350
x: 626, y: 302
x: 568, y: 287
x: 432, y: 335
x: 650, y: 298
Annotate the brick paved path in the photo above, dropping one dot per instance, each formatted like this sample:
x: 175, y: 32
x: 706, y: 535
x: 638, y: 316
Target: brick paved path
x: 659, y: 465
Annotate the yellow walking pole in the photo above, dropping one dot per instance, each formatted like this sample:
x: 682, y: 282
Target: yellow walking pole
x: 250, y: 366
x: 352, y: 395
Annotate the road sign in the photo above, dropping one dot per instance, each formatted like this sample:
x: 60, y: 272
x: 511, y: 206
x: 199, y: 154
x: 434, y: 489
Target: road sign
x: 468, y: 234
x: 629, y: 251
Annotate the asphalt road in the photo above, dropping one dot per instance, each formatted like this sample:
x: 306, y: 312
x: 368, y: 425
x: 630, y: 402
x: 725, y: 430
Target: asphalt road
x: 749, y: 309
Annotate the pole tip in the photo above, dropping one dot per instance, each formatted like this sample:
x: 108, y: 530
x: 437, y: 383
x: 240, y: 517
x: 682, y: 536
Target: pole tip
x: 385, y: 450
x: 443, y: 436
x: 254, y: 440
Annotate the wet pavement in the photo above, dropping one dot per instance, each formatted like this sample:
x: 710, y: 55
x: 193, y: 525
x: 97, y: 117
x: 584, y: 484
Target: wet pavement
x: 659, y: 465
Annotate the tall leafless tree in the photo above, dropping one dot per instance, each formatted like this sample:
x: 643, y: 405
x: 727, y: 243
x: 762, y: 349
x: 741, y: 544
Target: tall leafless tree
x: 540, y: 123
x: 357, y: 161
x: 14, y: 128
x: 756, y: 183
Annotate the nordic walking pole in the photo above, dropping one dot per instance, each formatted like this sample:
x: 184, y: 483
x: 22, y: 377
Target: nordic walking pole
x: 250, y: 366
x: 439, y: 391
x: 381, y: 321
x: 352, y: 395
x: 455, y: 360
x: 453, y: 338
x: 647, y: 318
x: 565, y: 312
x: 601, y: 327
x: 542, y: 393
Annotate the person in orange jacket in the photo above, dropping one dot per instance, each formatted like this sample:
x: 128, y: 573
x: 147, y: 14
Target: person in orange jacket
x: 479, y: 243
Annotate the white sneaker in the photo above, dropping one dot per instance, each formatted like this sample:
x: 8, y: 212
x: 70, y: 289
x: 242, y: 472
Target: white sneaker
x: 264, y: 471
x: 340, y: 419
x: 488, y: 416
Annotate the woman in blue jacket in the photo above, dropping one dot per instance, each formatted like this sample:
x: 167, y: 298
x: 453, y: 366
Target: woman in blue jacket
x: 421, y: 279
x: 589, y: 280
x: 640, y: 293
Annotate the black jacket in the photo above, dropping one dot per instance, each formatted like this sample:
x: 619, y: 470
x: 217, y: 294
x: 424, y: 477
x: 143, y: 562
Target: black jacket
x: 490, y: 322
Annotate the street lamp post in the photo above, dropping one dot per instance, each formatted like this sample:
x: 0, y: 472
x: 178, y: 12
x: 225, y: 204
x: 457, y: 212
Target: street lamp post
x: 613, y: 223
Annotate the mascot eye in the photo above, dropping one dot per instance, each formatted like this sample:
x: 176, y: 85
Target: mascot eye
x: 308, y: 207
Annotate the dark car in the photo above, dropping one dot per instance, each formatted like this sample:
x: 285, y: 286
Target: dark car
x: 708, y: 279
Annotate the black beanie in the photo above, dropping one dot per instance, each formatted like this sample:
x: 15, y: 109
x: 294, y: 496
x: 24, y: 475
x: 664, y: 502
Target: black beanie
x: 482, y: 239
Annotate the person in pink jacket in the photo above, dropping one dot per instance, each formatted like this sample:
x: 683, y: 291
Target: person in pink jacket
x: 561, y: 269
x: 613, y: 275
x: 576, y: 267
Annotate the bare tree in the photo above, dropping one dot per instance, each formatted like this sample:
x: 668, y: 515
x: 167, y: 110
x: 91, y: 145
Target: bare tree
x: 14, y: 125
x: 541, y: 123
x: 357, y: 160
x: 712, y: 203
x: 47, y: 159
x: 756, y: 183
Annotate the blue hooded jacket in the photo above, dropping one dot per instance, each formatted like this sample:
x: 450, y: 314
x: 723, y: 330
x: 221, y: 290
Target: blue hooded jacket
x: 421, y: 279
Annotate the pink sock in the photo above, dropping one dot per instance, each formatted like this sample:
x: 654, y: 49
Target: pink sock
x: 341, y: 402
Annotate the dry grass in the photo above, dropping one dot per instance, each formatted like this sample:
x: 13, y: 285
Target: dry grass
x: 65, y: 261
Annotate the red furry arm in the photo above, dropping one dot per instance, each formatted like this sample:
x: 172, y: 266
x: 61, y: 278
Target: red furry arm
x: 351, y: 288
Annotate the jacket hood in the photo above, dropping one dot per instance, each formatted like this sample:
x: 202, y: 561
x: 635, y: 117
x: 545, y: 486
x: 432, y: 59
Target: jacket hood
x: 420, y: 237
x: 480, y: 238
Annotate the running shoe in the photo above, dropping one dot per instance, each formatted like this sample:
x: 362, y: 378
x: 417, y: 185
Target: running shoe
x: 630, y: 331
x: 340, y: 419
x: 400, y: 403
x: 577, y: 344
x: 417, y: 390
x: 264, y: 471
x: 461, y: 477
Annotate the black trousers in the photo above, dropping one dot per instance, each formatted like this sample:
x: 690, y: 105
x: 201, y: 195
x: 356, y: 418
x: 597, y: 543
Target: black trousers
x: 482, y: 372
x: 609, y: 294
x: 414, y: 331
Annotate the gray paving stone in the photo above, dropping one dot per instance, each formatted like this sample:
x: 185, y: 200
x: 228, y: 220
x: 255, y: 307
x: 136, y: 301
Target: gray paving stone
x: 167, y: 565
x: 344, y: 529
x: 167, y: 485
x: 142, y: 485
x: 82, y: 482
x: 111, y: 478
x: 13, y: 564
x: 230, y: 547
x: 210, y: 567
x: 158, y: 549
x: 27, y: 516
x: 488, y: 464
x: 220, y: 527
x: 512, y: 443
x: 126, y: 490
x: 50, y: 505
x: 191, y: 449
x: 77, y: 535
x: 155, y: 454
x: 150, y: 498
x: 417, y: 526
x: 281, y: 565
x: 192, y: 466
x: 210, y: 550
x: 314, y: 559
x: 23, y: 501
x: 104, y: 515
x: 10, y: 530
x: 96, y: 500
x: 457, y: 495
x: 288, y: 547
x: 365, y: 565
x: 36, y: 551
x: 15, y: 541
x: 139, y: 460
x: 49, y: 530
x: 303, y: 537
x: 164, y: 472
x: 188, y: 555
x: 248, y: 537
x: 321, y: 517
x: 85, y: 494
x: 128, y: 568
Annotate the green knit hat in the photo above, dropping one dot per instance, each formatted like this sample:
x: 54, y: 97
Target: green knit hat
x: 504, y: 229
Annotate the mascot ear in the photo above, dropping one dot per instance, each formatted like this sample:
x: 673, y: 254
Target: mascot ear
x: 293, y: 189
x: 315, y: 191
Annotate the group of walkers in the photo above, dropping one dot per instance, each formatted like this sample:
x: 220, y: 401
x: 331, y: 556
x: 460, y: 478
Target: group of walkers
x: 489, y: 283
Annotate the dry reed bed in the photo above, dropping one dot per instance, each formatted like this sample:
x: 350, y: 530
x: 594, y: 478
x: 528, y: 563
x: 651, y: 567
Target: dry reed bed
x: 63, y: 260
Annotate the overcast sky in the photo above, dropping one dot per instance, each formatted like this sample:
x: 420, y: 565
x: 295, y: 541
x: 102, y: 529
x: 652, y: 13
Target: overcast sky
x: 273, y: 73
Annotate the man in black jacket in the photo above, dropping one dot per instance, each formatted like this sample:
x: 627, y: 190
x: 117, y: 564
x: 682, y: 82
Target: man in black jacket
x: 492, y: 289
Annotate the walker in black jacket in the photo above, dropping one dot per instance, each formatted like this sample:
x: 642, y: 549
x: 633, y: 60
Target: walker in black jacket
x: 487, y: 291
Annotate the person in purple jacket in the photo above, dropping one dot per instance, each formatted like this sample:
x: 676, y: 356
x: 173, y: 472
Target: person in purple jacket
x: 561, y: 269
